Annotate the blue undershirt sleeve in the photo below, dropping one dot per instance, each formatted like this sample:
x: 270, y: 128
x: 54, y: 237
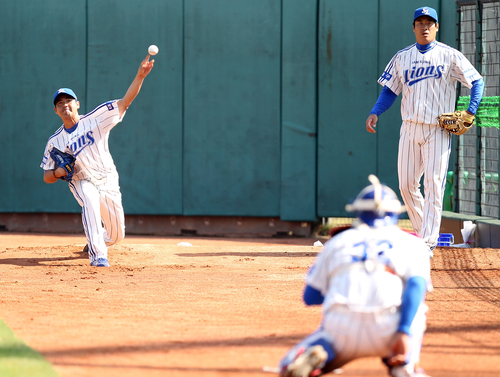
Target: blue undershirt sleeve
x: 312, y: 296
x: 476, y: 94
x: 412, y: 297
x: 385, y: 100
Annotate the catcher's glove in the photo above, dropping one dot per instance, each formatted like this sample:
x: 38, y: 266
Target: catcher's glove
x: 65, y: 161
x: 458, y: 122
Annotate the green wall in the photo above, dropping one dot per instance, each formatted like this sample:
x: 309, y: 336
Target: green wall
x: 252, y: 109
x: 232, y: 107
x: 347, y: 90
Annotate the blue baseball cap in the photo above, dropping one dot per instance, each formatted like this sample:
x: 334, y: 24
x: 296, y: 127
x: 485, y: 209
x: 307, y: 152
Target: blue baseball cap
x: 426, y: 11
x: 67, y: 91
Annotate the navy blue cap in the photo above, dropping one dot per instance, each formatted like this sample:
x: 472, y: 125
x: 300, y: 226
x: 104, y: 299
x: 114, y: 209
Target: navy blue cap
x: 426, y: 11
x: 67, y: 91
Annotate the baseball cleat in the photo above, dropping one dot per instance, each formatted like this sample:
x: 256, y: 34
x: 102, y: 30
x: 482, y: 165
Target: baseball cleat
x: 420, y: 372
x: 403, y: 371
x: 431, y: 251
x: 307, y: 364
x: 100, y: 262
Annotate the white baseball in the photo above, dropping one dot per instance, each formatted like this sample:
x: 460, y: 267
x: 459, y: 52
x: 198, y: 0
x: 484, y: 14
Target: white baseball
x: 153, y: 50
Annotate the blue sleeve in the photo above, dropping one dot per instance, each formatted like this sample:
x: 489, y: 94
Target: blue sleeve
x: 312, y: 296
x: 476, y: 95
x: 385, y: 100
x: 413, y: 295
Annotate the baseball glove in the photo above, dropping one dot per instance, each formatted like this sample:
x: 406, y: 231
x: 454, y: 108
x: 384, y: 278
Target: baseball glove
x: 458, y: 122
x: 65, y: 161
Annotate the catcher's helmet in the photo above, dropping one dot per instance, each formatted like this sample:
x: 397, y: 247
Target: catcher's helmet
x: 376, y: 205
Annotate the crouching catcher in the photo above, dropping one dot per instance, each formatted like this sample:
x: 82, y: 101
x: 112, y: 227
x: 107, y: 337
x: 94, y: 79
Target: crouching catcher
x: 371, y: 280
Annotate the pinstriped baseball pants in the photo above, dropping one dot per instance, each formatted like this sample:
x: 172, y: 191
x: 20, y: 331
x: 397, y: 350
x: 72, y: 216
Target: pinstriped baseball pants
x: 102, y: 214
x: 424, y: 149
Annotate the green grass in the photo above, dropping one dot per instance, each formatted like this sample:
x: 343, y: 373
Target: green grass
x: 18, y: 360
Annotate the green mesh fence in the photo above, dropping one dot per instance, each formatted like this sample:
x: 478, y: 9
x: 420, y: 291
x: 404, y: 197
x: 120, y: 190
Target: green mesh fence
x: 487, y: 113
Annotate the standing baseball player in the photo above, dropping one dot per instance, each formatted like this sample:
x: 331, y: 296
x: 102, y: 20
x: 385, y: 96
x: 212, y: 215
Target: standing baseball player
x: 371, y: 280
x: 90, y: 170
x: 426, y: 74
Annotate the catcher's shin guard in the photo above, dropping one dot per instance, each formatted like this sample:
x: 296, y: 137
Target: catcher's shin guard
x: 308, y: 363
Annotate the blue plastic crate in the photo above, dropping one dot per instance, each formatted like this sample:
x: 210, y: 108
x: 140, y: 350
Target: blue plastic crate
x: 445, y: 239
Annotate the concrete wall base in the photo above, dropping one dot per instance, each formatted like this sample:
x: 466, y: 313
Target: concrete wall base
x: 209, y: 226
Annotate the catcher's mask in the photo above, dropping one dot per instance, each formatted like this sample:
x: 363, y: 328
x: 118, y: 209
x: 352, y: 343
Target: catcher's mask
x: 376, y: 205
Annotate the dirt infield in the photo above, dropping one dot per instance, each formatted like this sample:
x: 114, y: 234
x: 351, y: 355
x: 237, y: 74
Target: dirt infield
x: 221, y: 307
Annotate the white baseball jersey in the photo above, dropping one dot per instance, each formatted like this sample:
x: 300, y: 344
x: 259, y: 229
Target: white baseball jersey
x: 427, y: 80
x: 88, y: 142
x: 365, y: 270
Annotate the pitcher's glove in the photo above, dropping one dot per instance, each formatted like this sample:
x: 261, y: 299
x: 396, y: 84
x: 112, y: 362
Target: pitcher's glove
x: 458, y: 122
x: 65, y: 161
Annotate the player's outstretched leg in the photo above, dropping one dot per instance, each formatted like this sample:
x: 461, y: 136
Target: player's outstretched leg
x: 87, y: 195
x: 310, y: 357
x: 112, y: 214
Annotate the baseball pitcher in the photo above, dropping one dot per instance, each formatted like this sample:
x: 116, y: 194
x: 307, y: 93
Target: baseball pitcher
x: 78, y: 153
